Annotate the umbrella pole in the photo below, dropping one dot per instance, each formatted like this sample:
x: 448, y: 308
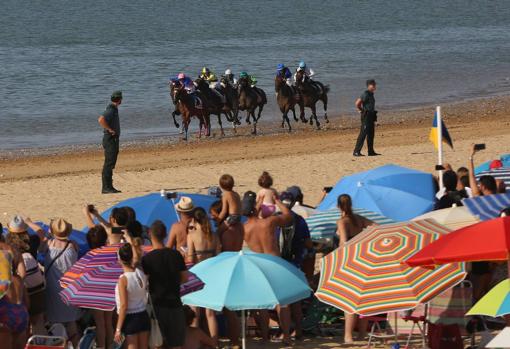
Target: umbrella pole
x: 243, y: 328
x: 396, y: 327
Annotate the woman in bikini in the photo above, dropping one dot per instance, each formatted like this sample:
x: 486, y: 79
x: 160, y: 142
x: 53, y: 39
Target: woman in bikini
x: 203, y: 244
x: 348, y: 226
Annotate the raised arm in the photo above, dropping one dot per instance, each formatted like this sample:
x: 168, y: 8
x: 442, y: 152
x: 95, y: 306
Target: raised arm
x: 472, y: 179
x: 285, y: 217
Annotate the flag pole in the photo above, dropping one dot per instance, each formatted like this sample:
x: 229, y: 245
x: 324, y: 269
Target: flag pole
x: 439, y: 144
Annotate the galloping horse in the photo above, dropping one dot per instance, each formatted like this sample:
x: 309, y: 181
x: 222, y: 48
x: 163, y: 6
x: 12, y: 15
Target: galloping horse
x: 173, y: 89
x: 249, y: 99
x: 287, y: 98
x: 311, y: 92
x: 187, y: 106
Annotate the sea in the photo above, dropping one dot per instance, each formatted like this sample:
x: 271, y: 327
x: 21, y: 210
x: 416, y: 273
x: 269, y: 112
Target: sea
x: 61, y: 59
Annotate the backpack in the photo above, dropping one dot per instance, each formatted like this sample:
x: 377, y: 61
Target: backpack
x: 286, y: 237
x: 34, y: 279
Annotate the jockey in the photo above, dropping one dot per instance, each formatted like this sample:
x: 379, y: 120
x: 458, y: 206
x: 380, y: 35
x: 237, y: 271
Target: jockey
x: 230, y: 77
x: 284, y: 72
x: 251, y: 79
x: 308, y: 73
x: 186, y: 82
x: 208, y: 75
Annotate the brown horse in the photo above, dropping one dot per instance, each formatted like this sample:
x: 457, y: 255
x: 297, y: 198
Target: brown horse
x: 251, y: 98
x: 311, y: 92
x: 187, y: 106
x: 287, y: 98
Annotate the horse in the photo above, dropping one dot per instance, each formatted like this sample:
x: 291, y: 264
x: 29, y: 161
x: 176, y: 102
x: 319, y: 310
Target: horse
x: 217, y: 105
x: 311, y: 92
x: 173, y: 88
x: 287, y: 98
x: 251, y: 98
x: 186, y: 104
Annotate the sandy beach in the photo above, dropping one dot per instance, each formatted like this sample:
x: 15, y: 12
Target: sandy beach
x: 59, y: 182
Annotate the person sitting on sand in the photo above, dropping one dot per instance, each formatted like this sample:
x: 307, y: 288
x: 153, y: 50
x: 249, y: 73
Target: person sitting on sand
x: 179, y: 230
x: 230, y: 201
x: 195, y: 337
x: 266, y: 204
x: 348, y: 226
x: 260, y: 237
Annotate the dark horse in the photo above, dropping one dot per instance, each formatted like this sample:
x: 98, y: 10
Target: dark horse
x: 173, y: 88
x: 217, y: 106
x: 186, y: 104
x: 287, y: 98
x: 249, y: 99
x: 311, y: 92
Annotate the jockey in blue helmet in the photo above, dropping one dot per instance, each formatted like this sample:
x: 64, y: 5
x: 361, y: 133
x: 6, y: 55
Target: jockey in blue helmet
x: 283, y: 72
x: 308, y: 73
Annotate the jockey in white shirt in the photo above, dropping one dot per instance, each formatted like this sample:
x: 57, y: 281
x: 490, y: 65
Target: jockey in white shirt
x: 308, y: 72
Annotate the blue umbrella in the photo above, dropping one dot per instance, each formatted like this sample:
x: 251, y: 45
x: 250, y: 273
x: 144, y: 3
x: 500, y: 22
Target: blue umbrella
x: 155, y: 206
x: 395, y: 192
x: 488, y: 206
x: 247, y: 280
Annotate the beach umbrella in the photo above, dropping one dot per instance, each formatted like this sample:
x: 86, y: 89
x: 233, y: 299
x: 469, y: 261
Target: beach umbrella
x: 502, y: 340
x: 247, y: 280
x: 366, y: 275
x: 495, y: 303
x: 160, y: 206
x: 505, y: 159
x: 91, y: 282
x: 487, y: 206
x: 484, y: 241
x: 453, y: 217
x: 322, y: 225
x: 303, y: 211
x: 502, y: 174
x: 395, y: 192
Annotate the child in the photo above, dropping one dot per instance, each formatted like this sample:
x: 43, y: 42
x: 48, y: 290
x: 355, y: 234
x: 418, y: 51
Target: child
x: 195, y: 337
x: 231, y: 202
x: 265, y: 197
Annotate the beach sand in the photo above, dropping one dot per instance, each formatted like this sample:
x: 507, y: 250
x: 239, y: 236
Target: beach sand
x: 59, y: 184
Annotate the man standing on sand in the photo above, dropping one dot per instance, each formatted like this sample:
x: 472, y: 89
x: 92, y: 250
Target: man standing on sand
x: 366, y: 106
x: 259, y: 235
x: 110, y: 122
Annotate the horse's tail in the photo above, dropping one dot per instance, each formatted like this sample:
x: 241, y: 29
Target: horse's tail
x: 326, y: 89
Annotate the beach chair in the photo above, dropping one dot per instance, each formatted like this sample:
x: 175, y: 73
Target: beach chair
x: 46, y: 342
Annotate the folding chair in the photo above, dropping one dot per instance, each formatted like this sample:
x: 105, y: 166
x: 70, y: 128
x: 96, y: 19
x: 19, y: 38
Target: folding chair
x: 377, y: 331
x: 46, y: 342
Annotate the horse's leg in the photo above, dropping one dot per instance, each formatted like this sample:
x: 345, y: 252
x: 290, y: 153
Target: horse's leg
x: 248, y: 116
x: 207, y: 119
x: 302, y: 112
x: 286, y: 118
x: 221, y: 125
x: 261, y: 107
x: 176, y: 124
x: 294, y: 114
x: 314, y: 116
x: 185, y: 124
x: 325, y: 101
x: 252, y: 113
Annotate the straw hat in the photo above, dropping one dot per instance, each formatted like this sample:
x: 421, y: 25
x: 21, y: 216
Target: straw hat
x: 60, y: 228
x: 185, y: 204
x: 17, y: 225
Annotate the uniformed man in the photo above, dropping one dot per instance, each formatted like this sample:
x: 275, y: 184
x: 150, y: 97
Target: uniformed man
x: 366, y: 106
x: 110, y: 122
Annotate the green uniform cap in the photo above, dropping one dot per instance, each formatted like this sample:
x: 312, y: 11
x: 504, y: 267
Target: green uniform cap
x: 117, y: 94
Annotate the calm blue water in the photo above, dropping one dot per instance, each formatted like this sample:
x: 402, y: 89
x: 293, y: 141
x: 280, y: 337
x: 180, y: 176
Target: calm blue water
x: 60, y: 59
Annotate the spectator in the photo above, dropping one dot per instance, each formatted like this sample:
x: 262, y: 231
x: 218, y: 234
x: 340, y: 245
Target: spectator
x: 131, y: 298
x: 166, y: 271
x: 179, y: 230
x: 451, y: 195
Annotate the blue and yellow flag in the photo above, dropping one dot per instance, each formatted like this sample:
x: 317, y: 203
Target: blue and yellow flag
x: 433, y: 133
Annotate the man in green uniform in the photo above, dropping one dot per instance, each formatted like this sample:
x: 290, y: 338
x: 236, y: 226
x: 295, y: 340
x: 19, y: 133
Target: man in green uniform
x: 366, y: 105
x: 110, y: 122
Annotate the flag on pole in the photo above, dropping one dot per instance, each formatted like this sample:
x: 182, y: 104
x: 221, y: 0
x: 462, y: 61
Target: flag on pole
x: 433, y: 134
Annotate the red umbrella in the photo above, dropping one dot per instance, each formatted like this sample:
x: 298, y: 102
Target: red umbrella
x: 484, y: 241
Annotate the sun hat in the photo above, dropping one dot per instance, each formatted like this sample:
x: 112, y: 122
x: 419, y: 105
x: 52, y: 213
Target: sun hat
x: 17, y: 225
x: 60, y: 228
x: 495, y: 164
x: 185, y: 204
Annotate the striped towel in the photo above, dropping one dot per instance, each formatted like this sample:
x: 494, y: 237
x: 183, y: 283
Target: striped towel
x: 323, y: 224
x: 487, y: 207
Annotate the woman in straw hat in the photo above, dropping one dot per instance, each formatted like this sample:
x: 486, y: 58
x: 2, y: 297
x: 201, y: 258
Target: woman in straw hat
x: 179, y: 231
x: 61, y: 254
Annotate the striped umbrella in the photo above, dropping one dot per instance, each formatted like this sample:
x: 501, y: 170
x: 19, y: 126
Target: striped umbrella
x: 488, y: 206
x: 500, y: 173
x: 95, y: 288
x: 322, y: 225
x: 366, y: 276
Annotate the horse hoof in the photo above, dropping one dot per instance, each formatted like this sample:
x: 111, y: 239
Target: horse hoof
x: 327, y: 121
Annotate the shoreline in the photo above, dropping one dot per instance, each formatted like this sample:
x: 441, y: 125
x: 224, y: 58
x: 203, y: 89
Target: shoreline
x: 343, y: 121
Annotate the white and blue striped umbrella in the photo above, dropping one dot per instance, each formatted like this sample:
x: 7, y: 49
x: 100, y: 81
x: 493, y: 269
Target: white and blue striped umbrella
x: 323, y: 224
x: 487, y: 207
x: 500, y: 173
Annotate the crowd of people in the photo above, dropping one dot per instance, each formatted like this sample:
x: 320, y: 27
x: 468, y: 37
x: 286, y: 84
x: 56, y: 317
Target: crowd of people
x: 265, y: 222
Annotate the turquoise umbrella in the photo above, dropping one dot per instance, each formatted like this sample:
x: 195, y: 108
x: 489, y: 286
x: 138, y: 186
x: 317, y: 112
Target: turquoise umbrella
x: 247, y: 280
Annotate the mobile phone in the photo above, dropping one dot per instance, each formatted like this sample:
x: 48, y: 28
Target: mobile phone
x: 480, y: 146
x: 90, y: 208
x: 440, y: 168
x: 118, y: 230
x: 327, y: 189
x: 168, y: 194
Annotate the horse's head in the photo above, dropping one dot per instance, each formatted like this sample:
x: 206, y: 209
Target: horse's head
x: 178, y: 92
x: 201, y: 83
x: 299, y: 76
x: 243, y: 82
x: 278, y: 82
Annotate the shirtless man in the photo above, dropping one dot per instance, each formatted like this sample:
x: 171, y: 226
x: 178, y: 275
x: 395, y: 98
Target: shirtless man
x: 178, y: 235
x: 231, y: 236
x: 230, y: 201
x: 259, y: 234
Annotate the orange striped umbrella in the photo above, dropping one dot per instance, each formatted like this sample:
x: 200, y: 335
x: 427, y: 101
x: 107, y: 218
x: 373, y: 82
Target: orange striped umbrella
x: 367, y: 275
